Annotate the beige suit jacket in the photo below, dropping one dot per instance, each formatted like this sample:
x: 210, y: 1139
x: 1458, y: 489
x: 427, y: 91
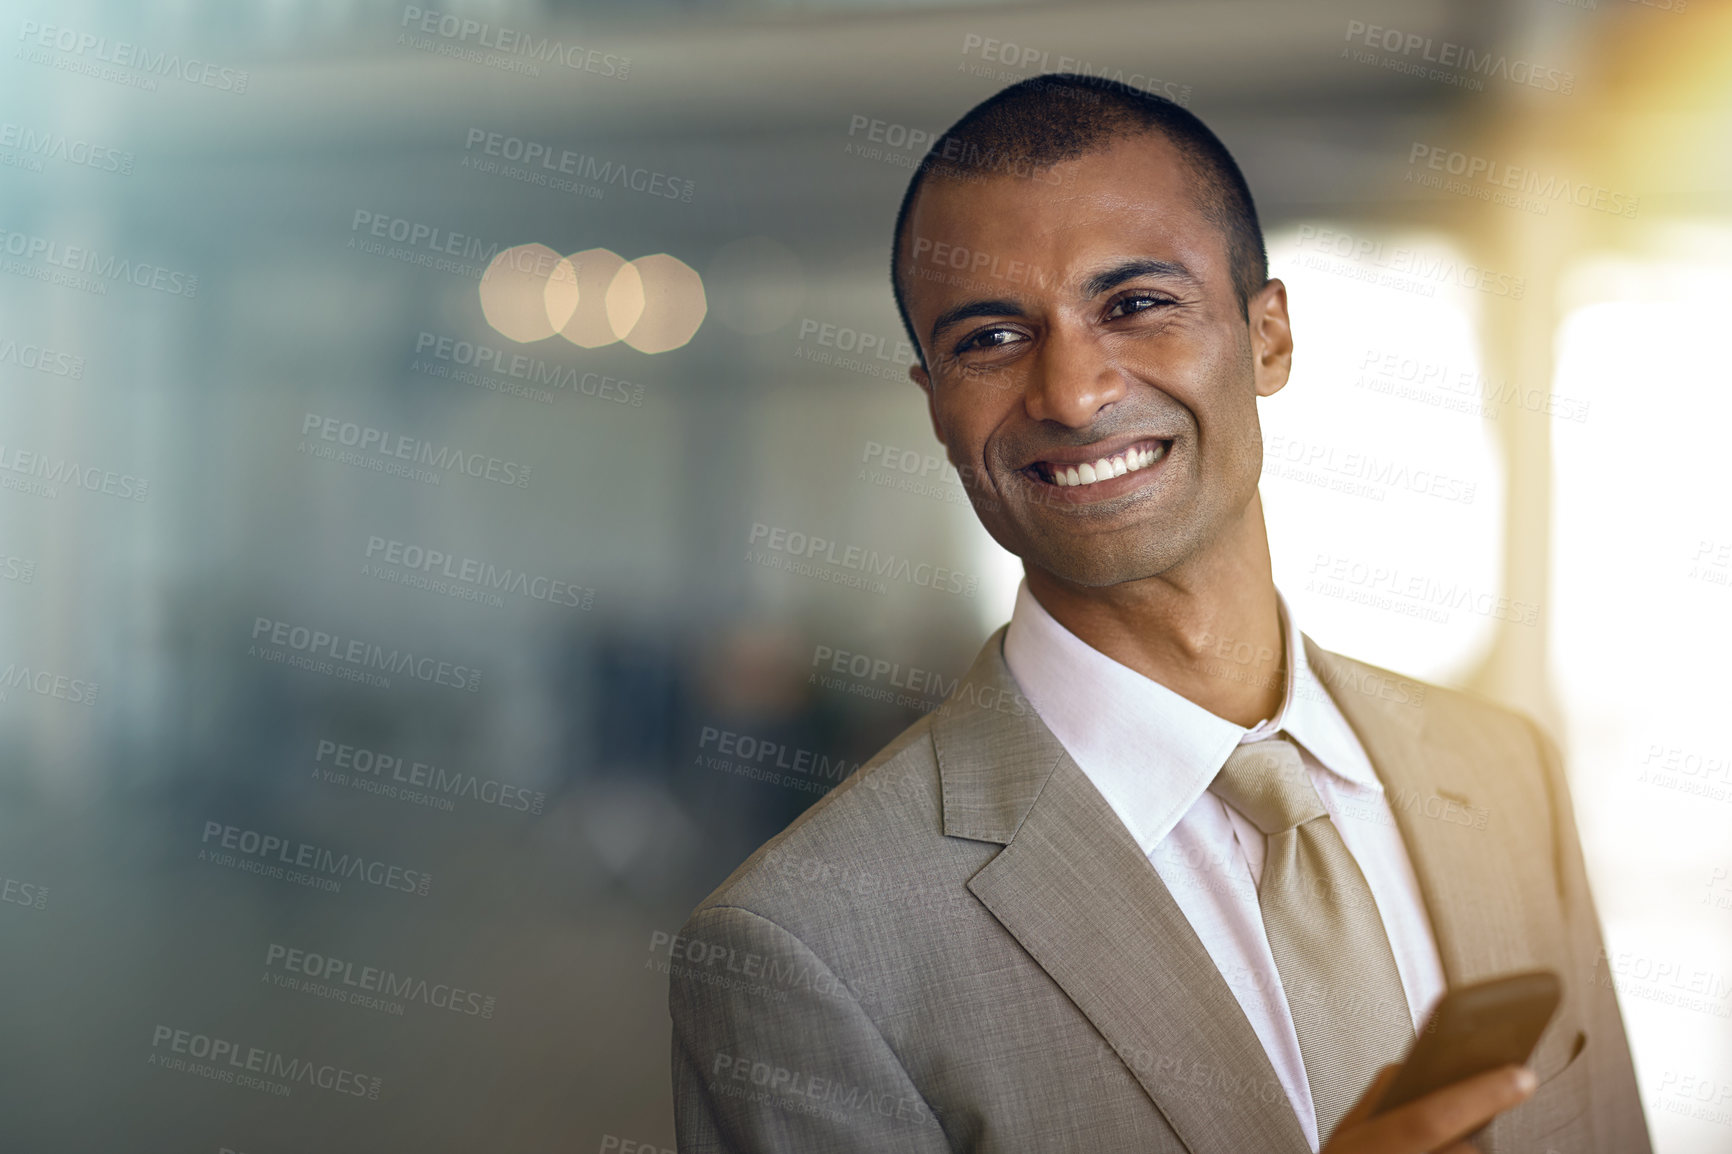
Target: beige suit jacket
x: 962, y: 948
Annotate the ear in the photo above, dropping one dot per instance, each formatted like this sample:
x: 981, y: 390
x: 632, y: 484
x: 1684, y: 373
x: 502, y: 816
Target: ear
x: 918, y: 374
x: 1271, y: 338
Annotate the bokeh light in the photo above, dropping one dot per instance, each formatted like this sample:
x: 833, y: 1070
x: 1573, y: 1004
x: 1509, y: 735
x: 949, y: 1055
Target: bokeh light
x: 576, y: 297
x: 673, y: 305
x: 512, y: 291
x: 594, y: 298
x: 625, y: 300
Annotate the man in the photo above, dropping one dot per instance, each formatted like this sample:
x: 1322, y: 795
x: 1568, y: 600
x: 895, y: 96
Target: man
x: 1161, y: 875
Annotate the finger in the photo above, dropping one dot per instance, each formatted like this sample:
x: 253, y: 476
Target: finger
x: 1446, y: 1115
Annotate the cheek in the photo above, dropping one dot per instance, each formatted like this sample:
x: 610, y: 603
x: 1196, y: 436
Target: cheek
x: 1217, y: 384
x: 969, y: 416
x: 1185, y: 360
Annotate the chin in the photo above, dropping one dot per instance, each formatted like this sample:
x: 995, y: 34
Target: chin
x: 1096, y: 567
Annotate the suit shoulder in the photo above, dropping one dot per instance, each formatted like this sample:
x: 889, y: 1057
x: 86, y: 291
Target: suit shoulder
x: 1451, y: 713
x: 882, y: 813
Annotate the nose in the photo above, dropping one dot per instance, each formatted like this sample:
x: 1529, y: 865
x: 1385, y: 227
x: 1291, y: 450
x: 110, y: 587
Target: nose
x: 1074, y: 378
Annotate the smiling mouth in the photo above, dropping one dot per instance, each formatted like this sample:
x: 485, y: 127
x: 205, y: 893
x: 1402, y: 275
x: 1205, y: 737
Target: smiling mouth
x: 1132, y: 459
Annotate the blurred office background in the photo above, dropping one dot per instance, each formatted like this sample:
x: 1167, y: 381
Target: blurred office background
x: 282, y: 706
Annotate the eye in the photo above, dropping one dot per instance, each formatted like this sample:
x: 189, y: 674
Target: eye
x: 989, y: 338
x: 1136, y: 303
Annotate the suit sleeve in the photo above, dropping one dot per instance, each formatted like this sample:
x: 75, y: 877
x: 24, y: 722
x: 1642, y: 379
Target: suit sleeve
x: 773, y: 1053
x: 1615, y: 1099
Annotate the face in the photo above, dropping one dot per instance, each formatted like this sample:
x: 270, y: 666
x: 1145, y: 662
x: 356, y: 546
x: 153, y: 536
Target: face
x: 1089, y: 370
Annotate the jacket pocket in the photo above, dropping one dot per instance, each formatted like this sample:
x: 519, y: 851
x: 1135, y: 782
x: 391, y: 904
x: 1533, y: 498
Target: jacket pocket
x: 1556, y: 1119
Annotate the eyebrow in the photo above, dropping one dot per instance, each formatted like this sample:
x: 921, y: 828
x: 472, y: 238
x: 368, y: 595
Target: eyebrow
x: 1113, y: 277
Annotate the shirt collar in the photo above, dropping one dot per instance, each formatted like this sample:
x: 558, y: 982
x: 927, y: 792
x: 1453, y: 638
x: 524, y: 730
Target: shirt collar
x: 1150, y: 751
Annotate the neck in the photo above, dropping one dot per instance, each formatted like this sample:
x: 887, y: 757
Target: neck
x: 1208, y: 629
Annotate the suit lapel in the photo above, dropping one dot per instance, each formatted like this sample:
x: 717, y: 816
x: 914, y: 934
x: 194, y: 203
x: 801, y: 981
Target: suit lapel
x: 1073, y: 888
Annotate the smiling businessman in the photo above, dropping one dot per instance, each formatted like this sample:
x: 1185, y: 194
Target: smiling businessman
x: 1112, y: 894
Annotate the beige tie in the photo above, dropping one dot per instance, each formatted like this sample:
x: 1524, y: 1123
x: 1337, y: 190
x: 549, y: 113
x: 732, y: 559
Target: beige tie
x: 1333, y: 957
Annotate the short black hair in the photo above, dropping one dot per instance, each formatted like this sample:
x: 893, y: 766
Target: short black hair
x: 1038, y: 122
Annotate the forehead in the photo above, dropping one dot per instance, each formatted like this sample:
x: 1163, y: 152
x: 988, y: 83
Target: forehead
x: 1044, y: 233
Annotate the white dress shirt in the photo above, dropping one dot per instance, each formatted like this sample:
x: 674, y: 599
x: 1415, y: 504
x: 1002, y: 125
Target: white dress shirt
x: 1152, y: 754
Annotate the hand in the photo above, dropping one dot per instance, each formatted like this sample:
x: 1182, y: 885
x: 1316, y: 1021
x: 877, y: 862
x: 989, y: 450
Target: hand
x: 1434, y: 1124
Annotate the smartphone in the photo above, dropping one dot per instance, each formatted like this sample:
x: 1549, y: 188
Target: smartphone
x: 1473, y: 1029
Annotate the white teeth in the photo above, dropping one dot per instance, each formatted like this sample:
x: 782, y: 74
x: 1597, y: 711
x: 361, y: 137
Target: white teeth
x: 1101, y: 470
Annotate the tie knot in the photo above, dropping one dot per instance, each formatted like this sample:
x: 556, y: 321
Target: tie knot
x: 1266, y: 781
